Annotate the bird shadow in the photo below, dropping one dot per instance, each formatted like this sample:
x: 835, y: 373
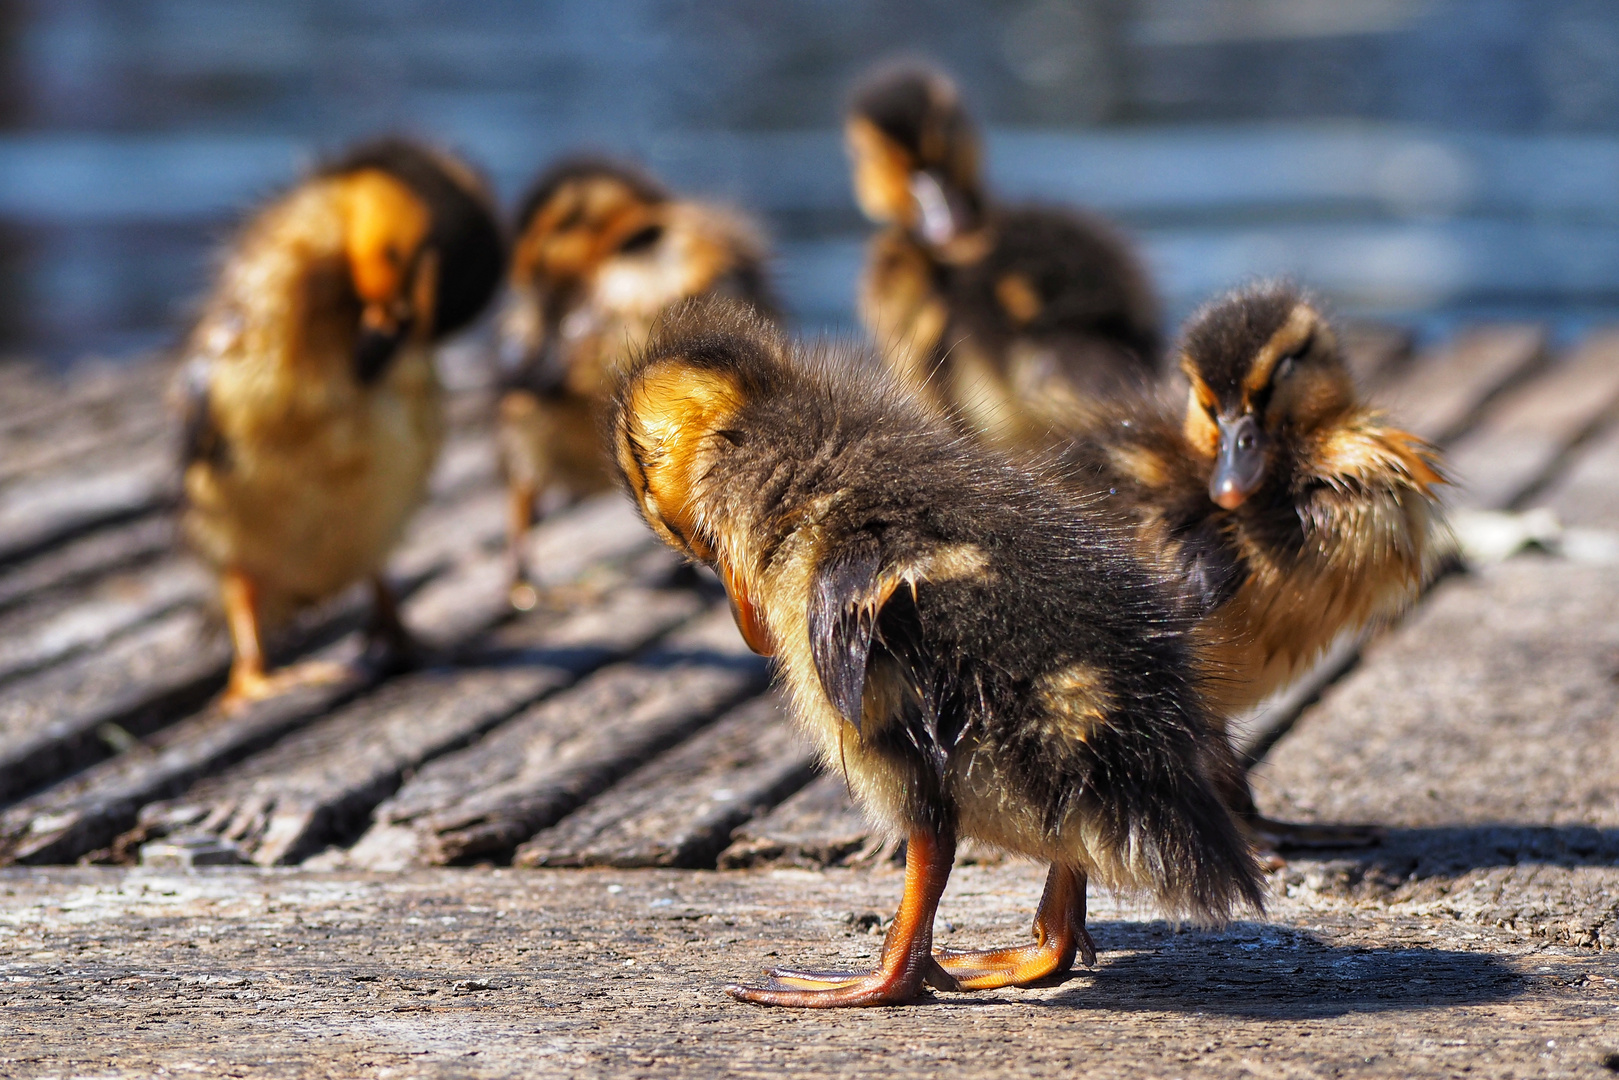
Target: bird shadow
x: 1274, y: 973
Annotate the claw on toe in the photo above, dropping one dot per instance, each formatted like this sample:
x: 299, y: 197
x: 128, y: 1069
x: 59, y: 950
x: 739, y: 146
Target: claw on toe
x: 837, y: 989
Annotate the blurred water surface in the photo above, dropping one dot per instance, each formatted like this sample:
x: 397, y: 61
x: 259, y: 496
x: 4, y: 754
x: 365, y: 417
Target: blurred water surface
x: 1424, y: 161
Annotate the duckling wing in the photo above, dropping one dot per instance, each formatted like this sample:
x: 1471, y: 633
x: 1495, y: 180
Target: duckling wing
x: 874, y: 658
x: 200, y: 437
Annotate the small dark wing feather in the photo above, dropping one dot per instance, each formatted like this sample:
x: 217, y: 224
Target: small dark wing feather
x: 842, y: 619
x: 1214, y: 570
x: 200, y: 438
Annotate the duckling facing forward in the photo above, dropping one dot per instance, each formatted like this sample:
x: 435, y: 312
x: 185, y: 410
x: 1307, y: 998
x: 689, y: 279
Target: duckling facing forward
x: 966, y: 642
x: 1291, y: 511
x: 602, y: 250
x: 312, y: 411
x: 1005, y: 317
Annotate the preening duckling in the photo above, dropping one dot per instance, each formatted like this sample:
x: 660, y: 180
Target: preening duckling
x: 976, y: 651
x: 602, y: 250
x: 1004, y: 317
x: 312, y: 411
x: 1292, y: 511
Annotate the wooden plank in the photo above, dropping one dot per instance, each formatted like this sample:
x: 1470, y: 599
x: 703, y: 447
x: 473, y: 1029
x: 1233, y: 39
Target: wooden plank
x: 116, y: 549
x: 1375, y: 352
x: 96, y: 439
x: 1586, y: 496
x: 38, y: 513
x: 447, y: 605
x: 91, y: 809
x: 1519, y: 441
x: 483, y: 801
x: 170, y: 666
x: 49, y: 722
x: 819, y: 826
x: 1439, y: 395
x: 679, y: 809
x: 75, y: 713
x: 44, y: 403
x: 53, y: 627
x: 319, y: 785
x: 1481, y: 732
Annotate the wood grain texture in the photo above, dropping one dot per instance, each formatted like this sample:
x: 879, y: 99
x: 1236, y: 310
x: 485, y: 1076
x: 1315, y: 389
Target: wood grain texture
x: 1441, y: 393
x: 1519, y: 440
x: 679, y: 809
x: 484, y: 801
x: 819, y: 826
x: 319, y: 785
x: 1587, y: 494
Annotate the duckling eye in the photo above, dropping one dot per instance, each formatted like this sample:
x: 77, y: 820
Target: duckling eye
x: 1285, y: 368
x: 641, y: 239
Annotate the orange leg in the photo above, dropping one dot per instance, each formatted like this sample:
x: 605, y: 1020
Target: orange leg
x: 249, y: 681
x: 907, y: 964
x: 1059, y: 935
x: 519, y: 520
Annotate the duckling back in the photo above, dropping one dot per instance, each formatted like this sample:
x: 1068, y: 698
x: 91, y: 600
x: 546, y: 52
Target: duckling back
x: 967, y: 641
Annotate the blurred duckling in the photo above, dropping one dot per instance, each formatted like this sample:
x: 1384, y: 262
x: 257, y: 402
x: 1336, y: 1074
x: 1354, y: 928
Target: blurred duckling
x: 1291, y: 511
x: 1003, y: 316
x: 312, y: 411
x: 975, y: 650
x: 601, y: 251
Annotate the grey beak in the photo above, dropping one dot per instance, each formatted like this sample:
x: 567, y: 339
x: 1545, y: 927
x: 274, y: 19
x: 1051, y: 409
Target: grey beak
x: 940, y: 221
x: 1239, y: 464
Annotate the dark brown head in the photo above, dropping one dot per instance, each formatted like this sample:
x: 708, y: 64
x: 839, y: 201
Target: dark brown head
x: 1266, y: 376
x: 425, y: 253
x: 915, y: 154
x: 579, y: 214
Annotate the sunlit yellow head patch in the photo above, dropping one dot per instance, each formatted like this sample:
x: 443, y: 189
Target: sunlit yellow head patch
x: 672, y: 410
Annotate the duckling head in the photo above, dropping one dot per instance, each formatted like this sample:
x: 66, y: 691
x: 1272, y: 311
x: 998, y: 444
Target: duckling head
x: 1266, y: 376
x: 424, y: 251
x: 915, y: 154
x: 579, y: 215
x: 394, y: 273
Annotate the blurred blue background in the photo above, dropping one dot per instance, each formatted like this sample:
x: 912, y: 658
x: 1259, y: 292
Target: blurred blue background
x: 1419, y: 161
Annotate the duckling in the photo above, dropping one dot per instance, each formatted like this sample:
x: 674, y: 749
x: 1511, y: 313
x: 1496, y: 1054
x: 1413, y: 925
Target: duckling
x: 1291, y: 511
x: 978, y: 653
x: 312, y: 414
x: 602, y: 249
x: 1003, y: 316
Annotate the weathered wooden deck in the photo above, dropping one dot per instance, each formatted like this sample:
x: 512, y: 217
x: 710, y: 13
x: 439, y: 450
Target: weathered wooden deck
x: 625, y: 727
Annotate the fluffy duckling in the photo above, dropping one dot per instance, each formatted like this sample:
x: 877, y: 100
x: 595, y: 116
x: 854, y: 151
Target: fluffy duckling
x: 1005, y: 317
x: 602, y: 250
x: 967, y: 643
x: 312, y: 411
x: 1292, y: 512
